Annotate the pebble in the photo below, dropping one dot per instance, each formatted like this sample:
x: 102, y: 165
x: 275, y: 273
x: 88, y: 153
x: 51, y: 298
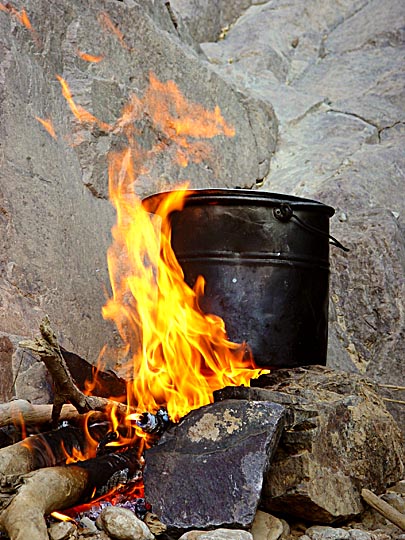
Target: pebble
x: 320, y: 532
x: 63, y: 530
x: 122, y: 524
x: 266, y: 527
x: 218, y: 534
x: 359, y: 534
x: 396, y: 501
x: 89, y: 525
x: 154, y: 524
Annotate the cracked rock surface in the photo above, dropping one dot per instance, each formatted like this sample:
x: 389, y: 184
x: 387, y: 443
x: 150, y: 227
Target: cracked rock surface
x: 334, y: 73
x: 55, y: 219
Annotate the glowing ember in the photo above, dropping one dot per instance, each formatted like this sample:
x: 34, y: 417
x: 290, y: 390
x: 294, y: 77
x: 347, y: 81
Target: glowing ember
x: 47, y: 123
x: 178, y: 355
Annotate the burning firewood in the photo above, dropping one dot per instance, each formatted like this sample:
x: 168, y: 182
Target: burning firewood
x: 24, y: 500
x: 49, y: 351
x: 43, y: 450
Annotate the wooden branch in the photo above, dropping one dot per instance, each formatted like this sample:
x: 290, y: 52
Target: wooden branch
x: 23, y: 413
x: 400, y: 401
x: 48, y: 349
x: 59, y: 487
x: 383, y: 508
x: 22, y: 510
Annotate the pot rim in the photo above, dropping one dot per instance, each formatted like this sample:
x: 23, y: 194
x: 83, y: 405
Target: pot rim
x: 231, y: 196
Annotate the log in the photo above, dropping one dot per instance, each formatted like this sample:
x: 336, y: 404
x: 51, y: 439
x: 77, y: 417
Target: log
x: 42, y: 450
x: 22, y: 510
x: 385, y: 509
x: 23, y: 413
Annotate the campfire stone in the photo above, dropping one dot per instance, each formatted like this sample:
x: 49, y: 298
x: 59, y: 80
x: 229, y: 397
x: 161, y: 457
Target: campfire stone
x: 122, y: 524
x: 267, y: 527
x: 208, y: 470
x: 340, y: 438
x: 63, y: 530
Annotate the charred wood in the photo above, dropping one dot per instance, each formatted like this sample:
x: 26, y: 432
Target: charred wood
x: 51, y: 448
x: 47, y: 348
x: 43, y: 450
x: 22, y: 510
x: 103, y: 383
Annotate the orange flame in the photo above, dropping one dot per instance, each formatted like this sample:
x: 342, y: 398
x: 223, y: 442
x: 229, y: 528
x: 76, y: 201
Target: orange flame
x: 90, y: 57
x: 179, y: 355
x: 22, y: 18
x: 105, y: 21
x: 48, y: 126
x: 81, y: 114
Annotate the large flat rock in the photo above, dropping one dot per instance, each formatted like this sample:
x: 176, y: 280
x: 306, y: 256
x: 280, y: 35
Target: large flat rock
x: 208, y: 471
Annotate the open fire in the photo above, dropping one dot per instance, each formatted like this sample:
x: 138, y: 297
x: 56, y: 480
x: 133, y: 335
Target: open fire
x: 174, y: 355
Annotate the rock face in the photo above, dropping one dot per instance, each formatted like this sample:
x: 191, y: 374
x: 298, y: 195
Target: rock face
x: 339, y: 439
x: 207, y: 472
x: 55, y: 220
x: 334, y: 73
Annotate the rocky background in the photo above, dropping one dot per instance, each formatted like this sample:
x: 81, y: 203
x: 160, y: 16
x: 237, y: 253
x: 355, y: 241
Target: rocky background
x: 315, y: 91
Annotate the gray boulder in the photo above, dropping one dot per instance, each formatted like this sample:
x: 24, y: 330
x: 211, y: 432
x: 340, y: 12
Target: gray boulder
x: 207, y: 471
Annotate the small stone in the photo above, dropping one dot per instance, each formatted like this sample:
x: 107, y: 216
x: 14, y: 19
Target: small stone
x: 396, y: 501
x: 63, y: 530
x: 320, y: 532
x: 286, y: 528
x: 218, y: 534
x: 266, y: 527
x: 122, y: 524
x: 154, y: 524
x: 89, y: 525
x: 399, y: 487
x: 294, y: 42
x: 359, y: 534
x: 342, y: 217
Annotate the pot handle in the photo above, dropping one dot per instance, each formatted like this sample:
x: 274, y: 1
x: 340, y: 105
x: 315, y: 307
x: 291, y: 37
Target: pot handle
x: 285, y: 213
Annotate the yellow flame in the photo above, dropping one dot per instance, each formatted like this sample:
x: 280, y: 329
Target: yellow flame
x: 178, y: 354
x: 61, y: 517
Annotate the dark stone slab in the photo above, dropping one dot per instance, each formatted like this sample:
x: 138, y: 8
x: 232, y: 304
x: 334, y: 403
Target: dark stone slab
x: 207, y: 472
